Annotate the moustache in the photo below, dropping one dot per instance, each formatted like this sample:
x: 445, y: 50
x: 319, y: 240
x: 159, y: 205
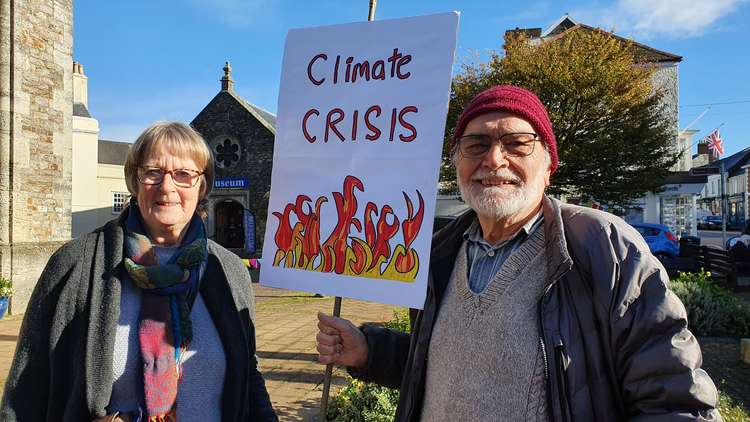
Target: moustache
x: 496, y: 176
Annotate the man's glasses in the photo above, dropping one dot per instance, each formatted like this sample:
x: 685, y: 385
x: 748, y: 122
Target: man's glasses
x: 519, y: 144
x: 184, y: 178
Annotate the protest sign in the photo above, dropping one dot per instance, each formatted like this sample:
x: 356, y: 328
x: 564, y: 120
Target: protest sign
x: 360, y: 125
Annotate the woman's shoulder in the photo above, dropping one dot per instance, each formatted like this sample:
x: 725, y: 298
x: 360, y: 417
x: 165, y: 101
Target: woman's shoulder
x: 233, y: 266
x: 71, y: 253
x: 64, y: 262
x: 235, y: 274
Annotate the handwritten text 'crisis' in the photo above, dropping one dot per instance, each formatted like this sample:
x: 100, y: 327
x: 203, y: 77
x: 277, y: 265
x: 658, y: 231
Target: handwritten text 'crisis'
x: 321, y: 71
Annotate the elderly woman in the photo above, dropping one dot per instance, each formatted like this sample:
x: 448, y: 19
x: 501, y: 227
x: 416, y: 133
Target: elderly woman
x: 143, y: 319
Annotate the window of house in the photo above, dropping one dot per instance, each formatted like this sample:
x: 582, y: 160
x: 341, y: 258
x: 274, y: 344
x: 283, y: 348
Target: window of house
x: 118, y: 201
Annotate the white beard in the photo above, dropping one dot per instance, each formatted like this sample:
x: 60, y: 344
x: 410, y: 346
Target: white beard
x: 495, y: 202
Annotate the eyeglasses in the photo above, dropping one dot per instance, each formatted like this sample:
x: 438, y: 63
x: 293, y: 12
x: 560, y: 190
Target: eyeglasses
x: 518, y: 144
x: 184, y: 178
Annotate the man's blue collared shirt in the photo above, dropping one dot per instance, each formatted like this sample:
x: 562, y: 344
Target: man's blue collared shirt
x: 485, y: 260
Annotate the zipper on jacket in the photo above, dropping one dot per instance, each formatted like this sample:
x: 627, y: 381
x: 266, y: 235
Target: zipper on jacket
x: 545, y: 358
x: 560, y: 359
x: 544, y: 349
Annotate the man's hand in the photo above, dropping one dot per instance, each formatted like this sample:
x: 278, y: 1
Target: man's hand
x: 340, y: 342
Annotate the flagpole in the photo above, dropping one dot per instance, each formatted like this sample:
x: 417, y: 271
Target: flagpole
x: 694, y: 121
x: 337, y: 301
x: 723, y: 210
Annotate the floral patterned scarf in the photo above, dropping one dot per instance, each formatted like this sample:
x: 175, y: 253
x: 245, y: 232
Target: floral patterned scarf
x: 169, y: 291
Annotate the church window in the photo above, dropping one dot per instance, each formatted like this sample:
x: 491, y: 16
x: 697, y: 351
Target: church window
x: 227, y: 152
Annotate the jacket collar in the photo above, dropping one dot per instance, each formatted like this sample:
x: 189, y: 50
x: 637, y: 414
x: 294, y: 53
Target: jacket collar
x: 447, y: 242
x: 558, y: 258
x: 101, y: 262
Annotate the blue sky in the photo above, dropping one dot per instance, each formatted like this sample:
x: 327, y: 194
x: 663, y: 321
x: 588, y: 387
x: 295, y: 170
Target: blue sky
x: 153, y: 60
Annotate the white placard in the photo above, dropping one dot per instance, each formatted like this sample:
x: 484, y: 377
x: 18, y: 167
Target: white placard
x: 359, y: 135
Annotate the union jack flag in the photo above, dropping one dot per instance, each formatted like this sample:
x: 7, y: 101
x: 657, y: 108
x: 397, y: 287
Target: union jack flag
x: 714, y: 143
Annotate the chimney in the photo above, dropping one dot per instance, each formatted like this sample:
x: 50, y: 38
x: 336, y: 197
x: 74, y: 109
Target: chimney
x: 80, y: 85
x: 227, y: 84
x: 703, y: 149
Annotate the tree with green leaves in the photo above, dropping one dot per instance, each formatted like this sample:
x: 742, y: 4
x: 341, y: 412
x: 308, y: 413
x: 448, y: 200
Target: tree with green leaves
x: 615, y: 143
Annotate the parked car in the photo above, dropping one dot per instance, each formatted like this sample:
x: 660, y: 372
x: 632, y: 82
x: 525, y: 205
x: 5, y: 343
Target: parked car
x: 447, y: 209
x: 709, y: 222
x: 662, y: 242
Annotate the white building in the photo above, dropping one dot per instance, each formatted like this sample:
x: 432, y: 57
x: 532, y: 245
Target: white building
x: 735, y: 175
x: 99, y: 189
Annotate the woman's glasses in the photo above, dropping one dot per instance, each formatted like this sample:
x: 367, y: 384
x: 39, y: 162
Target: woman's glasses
x: 184, y: 178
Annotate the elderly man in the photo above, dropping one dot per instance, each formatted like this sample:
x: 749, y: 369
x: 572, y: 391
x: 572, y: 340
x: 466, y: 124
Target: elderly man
x: 535, y: 310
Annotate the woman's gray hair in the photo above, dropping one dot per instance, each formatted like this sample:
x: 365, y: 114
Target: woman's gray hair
x: 180, y: 140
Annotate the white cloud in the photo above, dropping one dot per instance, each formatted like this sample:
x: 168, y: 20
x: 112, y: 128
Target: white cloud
x: 650, y: 18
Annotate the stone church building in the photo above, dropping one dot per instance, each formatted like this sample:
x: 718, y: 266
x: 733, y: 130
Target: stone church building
x: 36, y: 107
x: 240, y: 136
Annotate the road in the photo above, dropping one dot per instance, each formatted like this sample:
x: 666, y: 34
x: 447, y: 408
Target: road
x: 713, y: 237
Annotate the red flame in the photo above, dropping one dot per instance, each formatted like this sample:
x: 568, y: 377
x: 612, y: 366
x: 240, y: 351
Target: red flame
x: 346, y: 207
x: 283, y: 236
x: 369, y: 225
x: 385, y: 232
x: 343, y: 253
x: 413, y: 223
x: 410, y: 227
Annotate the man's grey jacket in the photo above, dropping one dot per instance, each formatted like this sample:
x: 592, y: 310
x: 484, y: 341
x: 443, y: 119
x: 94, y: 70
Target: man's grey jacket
x: 615, y: 337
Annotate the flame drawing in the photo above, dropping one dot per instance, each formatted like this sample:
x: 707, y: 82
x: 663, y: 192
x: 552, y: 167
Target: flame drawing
x: 345, y: 251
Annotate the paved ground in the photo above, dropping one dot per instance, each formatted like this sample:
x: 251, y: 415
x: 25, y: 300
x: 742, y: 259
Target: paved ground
x: 9, y: 327
x: 286, y: 328
x: 286, y: 347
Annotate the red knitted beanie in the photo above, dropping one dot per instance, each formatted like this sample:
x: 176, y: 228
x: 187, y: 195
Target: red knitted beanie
x: 514, y: 100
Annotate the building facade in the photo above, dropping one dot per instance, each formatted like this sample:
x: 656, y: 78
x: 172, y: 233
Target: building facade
x: 99, y: 191
x: 735, y: 175
x: 36, y: 107
x: 240, y: 135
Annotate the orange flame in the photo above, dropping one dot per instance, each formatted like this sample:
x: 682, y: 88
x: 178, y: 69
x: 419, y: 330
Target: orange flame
x: 343, y: 252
